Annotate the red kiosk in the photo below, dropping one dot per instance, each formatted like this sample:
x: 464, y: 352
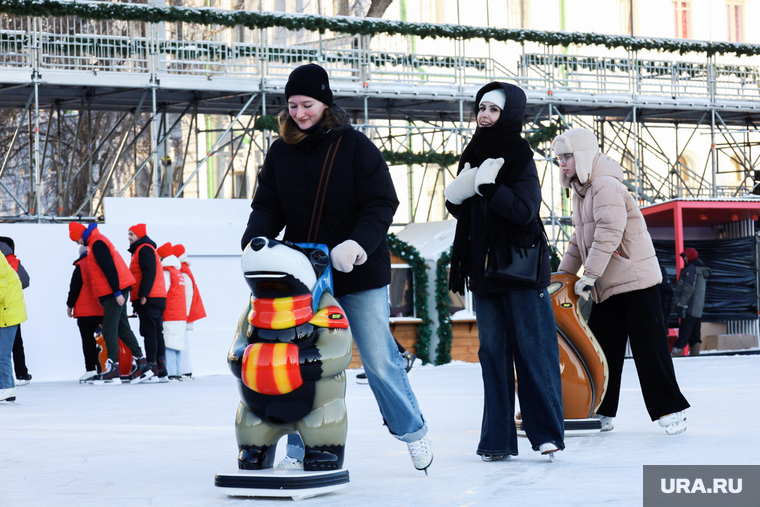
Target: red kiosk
x: 707, y: 219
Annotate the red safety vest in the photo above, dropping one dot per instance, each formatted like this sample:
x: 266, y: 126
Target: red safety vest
x: 197, y: 311
x: 159, y: 286
x: 100, y: 285
x: 87, y: 304
x: 176, y: 306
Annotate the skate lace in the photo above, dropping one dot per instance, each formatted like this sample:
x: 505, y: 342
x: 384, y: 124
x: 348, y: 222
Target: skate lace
x: 421, y: 452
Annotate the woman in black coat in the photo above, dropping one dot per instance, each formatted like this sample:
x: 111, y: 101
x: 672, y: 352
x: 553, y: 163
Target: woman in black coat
x: 325, y: 182
x: 496, y: 198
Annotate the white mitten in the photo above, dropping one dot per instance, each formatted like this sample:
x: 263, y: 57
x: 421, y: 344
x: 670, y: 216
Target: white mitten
x: 583, y: 287
x: 347, y: 255
x: 463, y: 186
x: 487, y: 172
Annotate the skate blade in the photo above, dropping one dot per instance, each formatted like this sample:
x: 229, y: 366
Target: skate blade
x: 112, y: 382
x: 148, y: 374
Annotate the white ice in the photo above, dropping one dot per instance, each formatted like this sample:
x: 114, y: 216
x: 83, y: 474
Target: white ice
x: 66, y: 444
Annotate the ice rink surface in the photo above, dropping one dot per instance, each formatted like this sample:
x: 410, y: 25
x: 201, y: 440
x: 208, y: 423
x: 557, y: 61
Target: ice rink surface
x: 66, y: 444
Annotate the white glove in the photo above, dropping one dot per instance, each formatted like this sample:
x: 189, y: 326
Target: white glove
x: 580, y: 287
x: 463, y: 186
x: 347, y: 255
x: 487, y: 172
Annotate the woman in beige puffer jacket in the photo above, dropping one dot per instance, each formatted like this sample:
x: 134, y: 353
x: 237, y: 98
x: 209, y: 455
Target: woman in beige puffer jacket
x: 621, y: 273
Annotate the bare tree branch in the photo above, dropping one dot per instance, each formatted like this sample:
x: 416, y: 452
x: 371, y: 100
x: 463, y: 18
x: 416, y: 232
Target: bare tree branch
x: 378, y: 7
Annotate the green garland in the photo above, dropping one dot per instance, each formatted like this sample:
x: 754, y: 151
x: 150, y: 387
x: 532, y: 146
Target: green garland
x: 645, y: 68
x: 267, y: 122
x: 543, y: 134
x: 443, y: 304
x: 411, y: 256
x: 445, y: 159
x: 348, y: 25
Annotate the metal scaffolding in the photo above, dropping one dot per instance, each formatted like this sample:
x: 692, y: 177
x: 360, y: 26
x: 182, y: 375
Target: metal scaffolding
x: 129, y: 108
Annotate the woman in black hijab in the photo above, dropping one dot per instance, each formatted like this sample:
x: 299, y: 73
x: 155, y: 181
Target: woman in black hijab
x: 496, y: 198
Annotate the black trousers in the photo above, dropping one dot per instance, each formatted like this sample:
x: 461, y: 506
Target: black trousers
x: 689, y: 331
x: 152, y: 330
x: 87, y: 327
x: 116, y: 327
x: 19, y: 359
x: 637, y: 316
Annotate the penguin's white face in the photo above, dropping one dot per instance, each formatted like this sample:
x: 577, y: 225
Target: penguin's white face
x: 274, y: 269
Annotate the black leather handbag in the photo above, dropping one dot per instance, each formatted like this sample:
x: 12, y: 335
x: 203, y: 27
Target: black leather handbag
x: 526, y: 264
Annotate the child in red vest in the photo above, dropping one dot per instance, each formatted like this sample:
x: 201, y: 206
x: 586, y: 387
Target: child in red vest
x: 175, y: 314
x: 195, y: 309
x: 84, y: 306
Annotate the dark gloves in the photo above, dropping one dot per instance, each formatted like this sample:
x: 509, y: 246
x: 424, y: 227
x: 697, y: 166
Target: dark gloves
x: 681, y: 312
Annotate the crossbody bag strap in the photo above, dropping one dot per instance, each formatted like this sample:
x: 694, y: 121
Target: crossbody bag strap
x: 319, y: 202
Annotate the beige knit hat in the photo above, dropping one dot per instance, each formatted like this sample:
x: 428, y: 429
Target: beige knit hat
x: 583, y: 145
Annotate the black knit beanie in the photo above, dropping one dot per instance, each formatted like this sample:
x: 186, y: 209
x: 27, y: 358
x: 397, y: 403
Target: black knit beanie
x: 310, y: 80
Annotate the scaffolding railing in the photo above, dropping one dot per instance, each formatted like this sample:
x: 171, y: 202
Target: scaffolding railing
x: 126, y: 47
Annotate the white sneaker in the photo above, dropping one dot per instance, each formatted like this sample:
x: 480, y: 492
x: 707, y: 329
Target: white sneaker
x: 422, y: 453
x: 548, y: 449
x: 674, y: 423
x: 8, y: 394
x: 288, y: 463
x: 606, y: 422
x: 88, y: 375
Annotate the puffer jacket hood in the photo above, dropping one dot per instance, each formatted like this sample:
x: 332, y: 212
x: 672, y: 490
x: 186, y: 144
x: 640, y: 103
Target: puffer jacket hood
x: 583, y: 145
x: 5, y: 240
x: 602, y: 166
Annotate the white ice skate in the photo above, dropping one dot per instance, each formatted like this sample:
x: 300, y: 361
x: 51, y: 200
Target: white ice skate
x: 548, y: 449
x: 606, y: 422
x: 674, y: 423
x: 8, y: 395
x: 422, y: 453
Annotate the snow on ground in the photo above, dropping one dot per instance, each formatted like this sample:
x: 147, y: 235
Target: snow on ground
x: 66, y: 444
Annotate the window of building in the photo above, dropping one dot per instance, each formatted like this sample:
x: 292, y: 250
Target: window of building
x: 402, y: 291
x: 686, y: 165
x: 735, y: 21
x: 683, y: 19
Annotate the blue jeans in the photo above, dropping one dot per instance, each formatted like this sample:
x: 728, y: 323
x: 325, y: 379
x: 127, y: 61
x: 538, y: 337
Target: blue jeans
x: 368, y: 315
x: 173, y: 362
x: 517, y: 332
x: 7, y: 337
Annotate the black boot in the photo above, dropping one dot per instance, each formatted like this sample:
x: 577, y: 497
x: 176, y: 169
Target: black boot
x: 163, y: 375
x: 110, y: 376
x: 323, y: 457
x: 256, y: 458
x: 140, y: 371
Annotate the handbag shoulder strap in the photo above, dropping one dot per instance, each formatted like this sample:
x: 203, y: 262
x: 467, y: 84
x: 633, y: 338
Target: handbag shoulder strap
x: 319, y: 202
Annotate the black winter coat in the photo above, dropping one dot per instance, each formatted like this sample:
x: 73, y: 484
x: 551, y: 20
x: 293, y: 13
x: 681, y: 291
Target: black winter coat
x: 512, y: 203
x: 359, y: 204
